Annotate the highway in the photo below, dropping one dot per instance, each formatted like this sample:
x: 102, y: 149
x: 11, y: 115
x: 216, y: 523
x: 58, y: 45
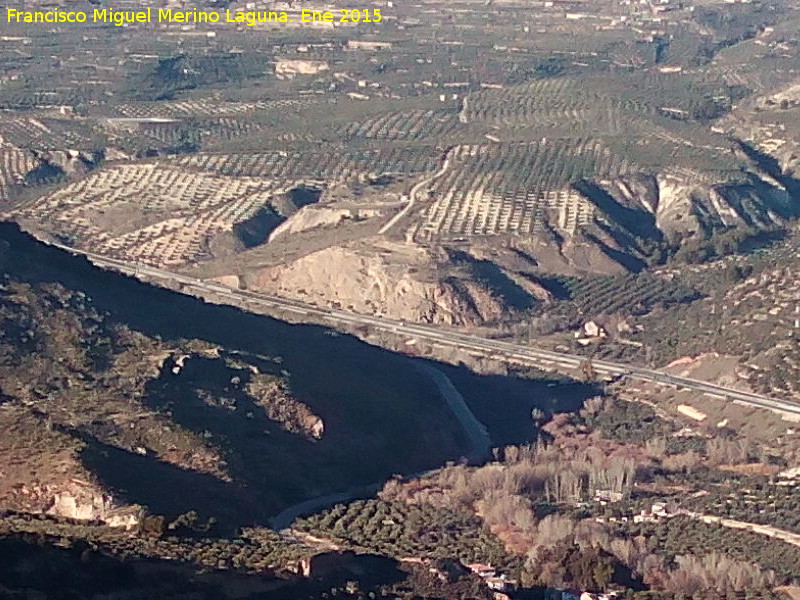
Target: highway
x: 434, y: 334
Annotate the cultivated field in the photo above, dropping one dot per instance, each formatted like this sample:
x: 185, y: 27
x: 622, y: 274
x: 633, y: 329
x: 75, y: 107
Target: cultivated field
x: 152, y: 214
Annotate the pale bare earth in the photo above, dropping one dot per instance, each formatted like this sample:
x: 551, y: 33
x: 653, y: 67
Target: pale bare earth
x: 380, y: 277
x: 57, y: 483
x: 695, y: 410
x: 792, y: 591
x: 713, y: 367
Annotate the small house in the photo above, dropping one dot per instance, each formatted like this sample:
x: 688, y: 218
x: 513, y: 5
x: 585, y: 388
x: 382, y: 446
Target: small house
x: 482, y: 570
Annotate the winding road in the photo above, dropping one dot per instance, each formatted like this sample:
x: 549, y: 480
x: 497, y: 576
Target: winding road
x: 436, y: 335
x: 412, y: 196
x: 479, y: 440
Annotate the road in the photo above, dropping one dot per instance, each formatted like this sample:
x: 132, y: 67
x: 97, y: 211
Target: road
x: 412, y: 196
x: 283, y: 520
x: 479, y: 440
x: 789, y: 537
x: 471, y: 344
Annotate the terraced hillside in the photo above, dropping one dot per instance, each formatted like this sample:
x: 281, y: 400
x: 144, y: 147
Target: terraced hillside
x: 607, y: 179
x: 595, y: 141
x: 121, y: 210
x: 15, y: 164
x: 578, y: 179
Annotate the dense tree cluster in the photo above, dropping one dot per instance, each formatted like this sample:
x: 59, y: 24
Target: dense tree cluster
x: 629, y: 422
x: 407, y: 530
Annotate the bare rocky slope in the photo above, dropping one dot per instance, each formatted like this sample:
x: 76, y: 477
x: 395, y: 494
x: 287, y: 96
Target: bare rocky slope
x: 385, y: 278
x: 769, y: 123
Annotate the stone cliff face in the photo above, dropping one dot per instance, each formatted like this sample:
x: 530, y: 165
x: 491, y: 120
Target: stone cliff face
x: 91, y: 505
x: 383, y: 278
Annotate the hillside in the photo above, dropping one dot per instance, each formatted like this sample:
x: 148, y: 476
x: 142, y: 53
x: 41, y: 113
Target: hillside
x: 115, y: 394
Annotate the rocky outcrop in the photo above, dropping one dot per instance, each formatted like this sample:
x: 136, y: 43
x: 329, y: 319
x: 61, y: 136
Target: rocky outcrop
x: 71, y: 163
x: 72, y: 498
x: 287, y: 67
x: 82, y: 503
x: 279, y: 405
x: 768, y: 123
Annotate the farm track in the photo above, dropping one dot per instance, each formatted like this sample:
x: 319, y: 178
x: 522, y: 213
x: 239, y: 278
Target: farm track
x: 768, y: 530
x: 415, y: 190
